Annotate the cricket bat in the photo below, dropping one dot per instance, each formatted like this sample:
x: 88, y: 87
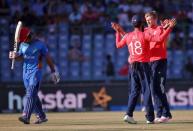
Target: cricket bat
x: 16, y: 41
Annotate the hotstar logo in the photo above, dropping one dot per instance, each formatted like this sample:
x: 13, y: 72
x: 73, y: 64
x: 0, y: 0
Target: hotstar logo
x: 56, y: 100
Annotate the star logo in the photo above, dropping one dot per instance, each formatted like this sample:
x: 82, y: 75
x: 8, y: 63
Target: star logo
x: 101, y: 98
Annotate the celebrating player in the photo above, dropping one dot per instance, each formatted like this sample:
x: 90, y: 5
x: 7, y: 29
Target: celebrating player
x: 139, y: 69
x: 32, y: 52
x: 158, y: 62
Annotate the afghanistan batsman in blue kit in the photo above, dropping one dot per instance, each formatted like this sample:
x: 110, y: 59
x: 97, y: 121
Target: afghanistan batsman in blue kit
x: 32, y: 52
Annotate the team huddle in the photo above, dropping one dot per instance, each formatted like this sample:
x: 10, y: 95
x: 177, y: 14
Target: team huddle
x: 147, y: 65
x: 147, y: 68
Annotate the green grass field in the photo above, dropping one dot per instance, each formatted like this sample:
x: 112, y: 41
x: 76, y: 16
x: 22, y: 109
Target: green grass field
x: 97, y: 121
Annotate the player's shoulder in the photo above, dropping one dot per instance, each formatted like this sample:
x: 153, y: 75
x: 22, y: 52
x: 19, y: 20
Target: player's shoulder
x: 23, y: 44
x: 39, y: 42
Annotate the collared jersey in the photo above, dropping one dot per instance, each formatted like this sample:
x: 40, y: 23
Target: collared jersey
x: 138, y: 44
x: 138, y: 47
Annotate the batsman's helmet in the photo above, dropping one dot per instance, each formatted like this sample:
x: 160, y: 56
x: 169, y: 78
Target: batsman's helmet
x: 24, y: 34
x: 137, y: 21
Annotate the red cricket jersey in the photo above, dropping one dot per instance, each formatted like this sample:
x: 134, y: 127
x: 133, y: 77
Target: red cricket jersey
x: 158, y: 50
x: 138, y: 44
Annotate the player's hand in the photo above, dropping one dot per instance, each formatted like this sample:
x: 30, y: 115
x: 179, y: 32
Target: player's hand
x: 55, y: 77
x: 114, y: 26
x: 172, y: 23
x: 12, y: 55
x: 118, y: 28
x: 165, y: 23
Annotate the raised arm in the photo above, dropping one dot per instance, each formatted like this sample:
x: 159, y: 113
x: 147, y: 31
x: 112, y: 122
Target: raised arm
x: 120, y: 35
x: 120, y: 41
x: 164, y: 35
x: 18, y: 56
x: 118, y: 28
x: 164, y: 23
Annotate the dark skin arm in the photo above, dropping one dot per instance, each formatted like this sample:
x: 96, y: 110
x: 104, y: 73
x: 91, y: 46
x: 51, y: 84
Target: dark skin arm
x: 54, y: 74
x: 118, y: 28
x: 50, y: 63
x: 19, y: 58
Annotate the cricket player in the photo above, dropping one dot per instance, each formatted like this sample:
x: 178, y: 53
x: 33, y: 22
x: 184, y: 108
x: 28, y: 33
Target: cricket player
x: 158, y: 63
x: 139, y: 69
x: 32, y: 52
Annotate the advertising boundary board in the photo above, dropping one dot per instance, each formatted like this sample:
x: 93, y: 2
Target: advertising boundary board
x: 89, y: 96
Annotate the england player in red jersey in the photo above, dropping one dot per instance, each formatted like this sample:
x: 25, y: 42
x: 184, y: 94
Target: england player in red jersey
x: 139, y: 50
x: 158, y: 63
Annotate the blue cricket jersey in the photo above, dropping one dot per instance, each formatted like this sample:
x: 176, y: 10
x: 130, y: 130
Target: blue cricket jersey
x: 32, y: 54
